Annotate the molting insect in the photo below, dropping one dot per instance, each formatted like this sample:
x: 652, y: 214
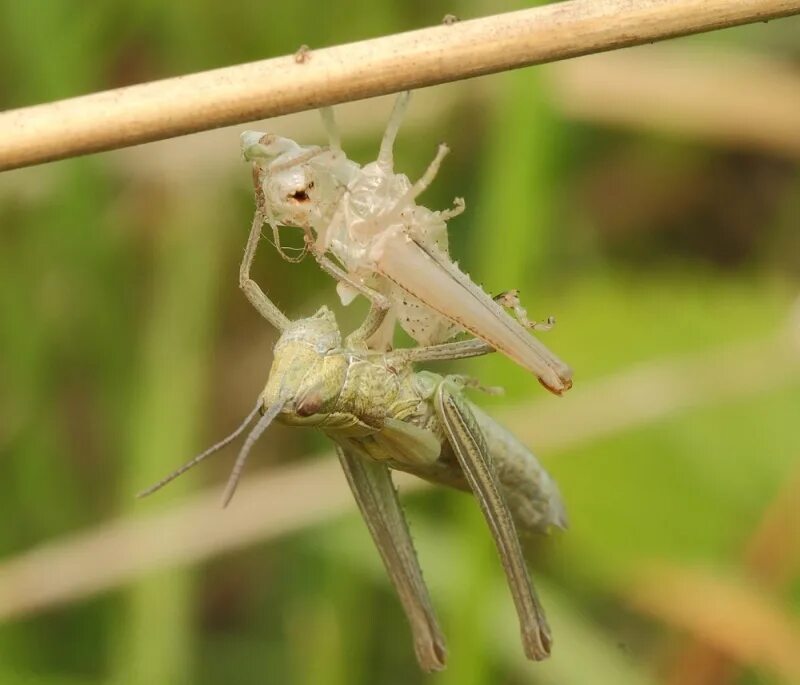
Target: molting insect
x: 382, y: 414
x: 363, y: 226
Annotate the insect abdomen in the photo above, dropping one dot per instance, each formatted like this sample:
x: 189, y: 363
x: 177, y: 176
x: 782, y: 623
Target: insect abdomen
x: 530, y: 492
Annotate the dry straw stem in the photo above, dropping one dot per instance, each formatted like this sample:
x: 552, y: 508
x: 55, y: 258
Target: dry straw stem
x: 717, y: 96
x: 172, y: 107
x: 733, y: 616
x: 771, y: 558
x: 772, y: 555
x: 720, y: 96
x: 287, y: 499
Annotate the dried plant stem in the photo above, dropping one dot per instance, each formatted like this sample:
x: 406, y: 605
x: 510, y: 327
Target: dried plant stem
x: 771, y: 558
x: 719, y: 96
x: 736, y: 617
x: 176, y: 106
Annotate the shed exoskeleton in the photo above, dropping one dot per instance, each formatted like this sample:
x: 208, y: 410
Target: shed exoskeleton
x: 363, y: 226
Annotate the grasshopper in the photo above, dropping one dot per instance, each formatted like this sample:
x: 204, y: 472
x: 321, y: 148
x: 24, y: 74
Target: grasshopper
x: 382, y: 414
x: 363, y: 227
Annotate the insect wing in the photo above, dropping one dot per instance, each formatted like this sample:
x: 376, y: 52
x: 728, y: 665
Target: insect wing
x: 408, y: 443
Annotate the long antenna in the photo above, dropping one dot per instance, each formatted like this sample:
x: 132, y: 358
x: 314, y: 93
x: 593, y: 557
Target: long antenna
x: 196, y: 460
x: 255, y: 434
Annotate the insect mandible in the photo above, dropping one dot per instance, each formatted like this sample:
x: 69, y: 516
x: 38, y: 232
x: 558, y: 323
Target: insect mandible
x: 363, y: 226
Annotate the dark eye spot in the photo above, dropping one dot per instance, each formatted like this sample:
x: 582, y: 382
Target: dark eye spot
x: 309, y: 405
x: 299, y: 196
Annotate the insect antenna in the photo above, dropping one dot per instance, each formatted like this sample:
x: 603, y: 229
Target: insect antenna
x: 306, y: 156
x: 250, y: 440
x: 196, y: 460
x: 276, y: 242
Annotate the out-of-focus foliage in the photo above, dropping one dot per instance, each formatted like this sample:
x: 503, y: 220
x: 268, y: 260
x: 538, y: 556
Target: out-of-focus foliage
x: 125, y: 346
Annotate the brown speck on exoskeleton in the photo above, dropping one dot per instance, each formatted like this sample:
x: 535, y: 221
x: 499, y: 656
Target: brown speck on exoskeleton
x: 302, y: 55
x: 259, y: 190
x: 449, y: 19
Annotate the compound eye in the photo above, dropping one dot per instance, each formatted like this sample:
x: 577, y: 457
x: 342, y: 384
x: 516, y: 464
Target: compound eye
x: 309, y: 405
x: 301, y: 195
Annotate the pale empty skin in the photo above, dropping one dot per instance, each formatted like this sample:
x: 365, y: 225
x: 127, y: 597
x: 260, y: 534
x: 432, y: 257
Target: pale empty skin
x: 382, y: 415
x: 363, y: 226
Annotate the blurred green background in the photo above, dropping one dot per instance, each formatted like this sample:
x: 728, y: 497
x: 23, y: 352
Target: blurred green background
x: 650, y: 200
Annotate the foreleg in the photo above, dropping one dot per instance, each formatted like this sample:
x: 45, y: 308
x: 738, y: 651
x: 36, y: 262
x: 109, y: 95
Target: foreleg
x: 251, y: 289
x: 332, y: 269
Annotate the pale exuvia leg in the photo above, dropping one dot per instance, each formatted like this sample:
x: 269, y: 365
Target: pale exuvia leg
x: 377, y: 499
x: 383, y: 337
x: 458, y: 208
x: 407, y: 199
x: 331, y: 268
x: 425, y: 180
x: 510, y: 300
x: 464, y: 434
x: 472, y: 382
x: 252, y: 291
x: 326, y: 230
x: 386, y: 153
x: 368, y: 328
x: 329, y: 122
x: 307, y: 156
x: 461, y: 349
x: 318, y: 249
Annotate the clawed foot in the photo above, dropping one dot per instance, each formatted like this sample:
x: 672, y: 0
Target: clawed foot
x: 510, y: 300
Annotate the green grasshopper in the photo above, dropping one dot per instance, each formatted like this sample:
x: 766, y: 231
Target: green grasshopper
x: 382, y: 415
